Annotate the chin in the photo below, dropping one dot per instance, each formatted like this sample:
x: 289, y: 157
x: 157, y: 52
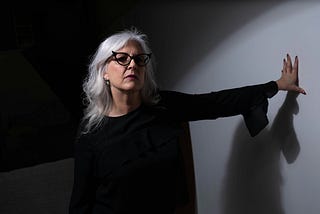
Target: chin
x: 132, y: 89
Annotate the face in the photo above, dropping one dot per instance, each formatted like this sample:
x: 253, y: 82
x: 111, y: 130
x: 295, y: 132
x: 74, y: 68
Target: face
x: 128, y: 78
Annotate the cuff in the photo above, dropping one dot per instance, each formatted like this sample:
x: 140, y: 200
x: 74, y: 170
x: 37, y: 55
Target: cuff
x: 257, y: 119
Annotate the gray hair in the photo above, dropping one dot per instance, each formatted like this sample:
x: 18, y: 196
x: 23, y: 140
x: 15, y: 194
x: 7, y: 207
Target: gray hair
x: 98, y: 97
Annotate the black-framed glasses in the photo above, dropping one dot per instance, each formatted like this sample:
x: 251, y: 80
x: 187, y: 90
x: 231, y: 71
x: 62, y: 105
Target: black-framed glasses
x: 125, y: 59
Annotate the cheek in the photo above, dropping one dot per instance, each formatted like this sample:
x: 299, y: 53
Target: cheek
x: 110, y: 71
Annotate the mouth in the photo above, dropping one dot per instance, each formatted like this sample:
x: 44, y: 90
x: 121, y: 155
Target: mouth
x: 131, y: 76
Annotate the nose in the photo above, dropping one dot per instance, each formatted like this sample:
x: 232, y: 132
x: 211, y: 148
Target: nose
x: 132, y: 64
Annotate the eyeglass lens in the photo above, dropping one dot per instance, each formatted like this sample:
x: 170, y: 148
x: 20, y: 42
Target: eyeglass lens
x: 125, y: 59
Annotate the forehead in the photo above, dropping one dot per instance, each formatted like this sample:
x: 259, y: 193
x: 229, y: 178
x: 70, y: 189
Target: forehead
x: 132, y: 46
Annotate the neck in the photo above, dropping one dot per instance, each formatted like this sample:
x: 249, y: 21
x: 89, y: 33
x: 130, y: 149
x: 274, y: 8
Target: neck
x: 125, y: 103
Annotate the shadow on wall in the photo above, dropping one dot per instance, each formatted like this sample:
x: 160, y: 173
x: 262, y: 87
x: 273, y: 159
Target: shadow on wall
x: 253, y: 175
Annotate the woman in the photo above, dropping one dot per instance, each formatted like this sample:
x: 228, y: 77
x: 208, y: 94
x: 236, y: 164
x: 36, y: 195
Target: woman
x: 127, y: 159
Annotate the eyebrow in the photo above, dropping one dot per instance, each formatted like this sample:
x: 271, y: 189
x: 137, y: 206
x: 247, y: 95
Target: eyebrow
x: 129, y: 54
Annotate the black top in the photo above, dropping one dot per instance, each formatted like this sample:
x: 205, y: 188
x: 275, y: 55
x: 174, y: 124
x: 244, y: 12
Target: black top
x: 132, y: 163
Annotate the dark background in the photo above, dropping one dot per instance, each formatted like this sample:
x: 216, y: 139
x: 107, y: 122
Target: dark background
x: 45, y: 49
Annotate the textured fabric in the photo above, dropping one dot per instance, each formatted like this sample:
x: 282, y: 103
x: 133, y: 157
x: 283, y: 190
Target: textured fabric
x: 132, y: 163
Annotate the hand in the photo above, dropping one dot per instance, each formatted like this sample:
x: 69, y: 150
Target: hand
x: 289, y: 80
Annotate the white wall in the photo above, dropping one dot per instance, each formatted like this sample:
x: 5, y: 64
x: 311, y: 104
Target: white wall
x: 205, y: 46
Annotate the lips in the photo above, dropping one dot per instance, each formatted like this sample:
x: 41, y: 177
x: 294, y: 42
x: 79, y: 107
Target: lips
x: 131, y: 76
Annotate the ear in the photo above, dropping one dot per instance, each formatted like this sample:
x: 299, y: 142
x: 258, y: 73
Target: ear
x: 105, y: 75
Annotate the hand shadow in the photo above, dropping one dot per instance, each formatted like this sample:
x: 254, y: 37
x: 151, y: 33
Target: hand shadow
x: 253, y: 180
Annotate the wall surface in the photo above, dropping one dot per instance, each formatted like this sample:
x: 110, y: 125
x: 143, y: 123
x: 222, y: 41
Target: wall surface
x: 204, y: 46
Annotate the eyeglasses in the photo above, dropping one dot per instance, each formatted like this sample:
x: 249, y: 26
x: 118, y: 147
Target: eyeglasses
x: 125, y: 59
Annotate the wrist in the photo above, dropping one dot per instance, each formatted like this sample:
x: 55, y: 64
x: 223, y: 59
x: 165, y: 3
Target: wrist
x: 280, y: 84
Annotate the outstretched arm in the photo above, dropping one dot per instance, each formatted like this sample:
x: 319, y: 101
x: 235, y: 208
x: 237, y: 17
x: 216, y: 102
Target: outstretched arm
x: 289, y: 80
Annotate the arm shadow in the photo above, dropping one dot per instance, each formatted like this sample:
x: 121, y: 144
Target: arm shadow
x: 252, y: 183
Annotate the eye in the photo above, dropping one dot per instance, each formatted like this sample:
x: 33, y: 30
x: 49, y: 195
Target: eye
x: 122, y: 57
x: 142, y: 59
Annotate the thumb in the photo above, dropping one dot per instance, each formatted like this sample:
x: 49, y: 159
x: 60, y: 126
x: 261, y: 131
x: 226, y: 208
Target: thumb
x: 299, y: 90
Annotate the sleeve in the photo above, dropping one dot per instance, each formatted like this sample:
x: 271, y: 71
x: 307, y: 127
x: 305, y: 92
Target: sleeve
x: 249, y: 101
x: 83, y: 191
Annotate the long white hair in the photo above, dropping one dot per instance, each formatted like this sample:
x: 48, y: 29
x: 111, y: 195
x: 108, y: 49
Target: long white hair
x: 98, y: 99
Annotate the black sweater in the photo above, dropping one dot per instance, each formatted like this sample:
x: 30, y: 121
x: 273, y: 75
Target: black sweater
x: 132, y: 163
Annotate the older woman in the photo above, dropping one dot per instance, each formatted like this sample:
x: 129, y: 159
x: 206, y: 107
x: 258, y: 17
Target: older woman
x: 127, y: 158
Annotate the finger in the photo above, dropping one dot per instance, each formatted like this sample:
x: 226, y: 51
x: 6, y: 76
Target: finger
x: 295, y: 65
x: 284, y: 66
x: 289, y: 63
x: 296, y: 69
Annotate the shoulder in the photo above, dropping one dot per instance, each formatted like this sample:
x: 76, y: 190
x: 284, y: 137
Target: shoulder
x: 169, y: 93
x: 168, y: 96
x: 85, y: 136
